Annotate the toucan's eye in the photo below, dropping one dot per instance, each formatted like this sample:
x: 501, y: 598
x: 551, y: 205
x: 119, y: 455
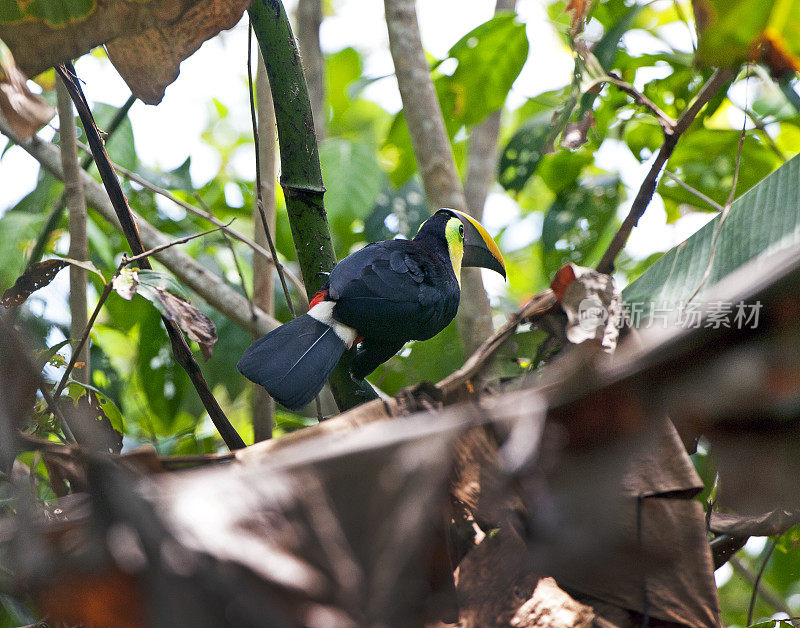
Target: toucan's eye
x: 461, y: 231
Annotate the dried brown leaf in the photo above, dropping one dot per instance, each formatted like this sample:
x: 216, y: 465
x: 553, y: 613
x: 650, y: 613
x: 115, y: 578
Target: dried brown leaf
x: 191, y: 320
x: 24, y: 111
x: 126, y: 283
x: 575, y: 132
x: 580, y: 9
x: 37, y: 276
x: 149, y: 60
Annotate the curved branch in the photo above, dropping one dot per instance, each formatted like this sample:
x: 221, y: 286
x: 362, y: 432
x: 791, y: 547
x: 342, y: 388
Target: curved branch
x: 208, y: 285
x: 648, y: 188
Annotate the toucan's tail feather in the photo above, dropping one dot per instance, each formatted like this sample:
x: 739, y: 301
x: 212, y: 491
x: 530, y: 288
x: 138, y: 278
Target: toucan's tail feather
x: 293, y: 361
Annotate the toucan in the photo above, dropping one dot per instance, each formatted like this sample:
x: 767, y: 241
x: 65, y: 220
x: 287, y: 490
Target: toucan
x: 377, y: 299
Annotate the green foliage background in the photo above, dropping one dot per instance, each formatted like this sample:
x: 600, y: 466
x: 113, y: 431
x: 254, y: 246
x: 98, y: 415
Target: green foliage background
x: 374, y: 193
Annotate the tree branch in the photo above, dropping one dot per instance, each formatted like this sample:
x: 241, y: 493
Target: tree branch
x: 207, y: 215
x: 475, y: 311
x: 648, y: 187
x: 78, y: 241
x: 180, y: 347
x: 55, y: 215
x: 432, y: 149
x: 301, y: 176
x: 206, y: 284
x: 104, y: 297
x: 264, y: 205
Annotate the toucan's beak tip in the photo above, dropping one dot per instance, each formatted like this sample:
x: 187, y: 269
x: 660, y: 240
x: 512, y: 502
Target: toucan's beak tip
x: 479, y: 248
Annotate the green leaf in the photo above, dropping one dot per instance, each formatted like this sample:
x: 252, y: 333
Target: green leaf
x: 352, y: 176
x: 576, y: 222
x: 732, y: 32
x: 397, y: 213
x: 490, y: 57
x: 706, y: 160
x: 177, y: 179
x: 763, y: 221
x: 156, y: 279
x: 120, y: 146
x: 25, y: 228
x: 52, y: 12
x: 523, y: 153
x: 163, y: 381
x: 398, y: 152
x: 770, y: 623
x: 354, y: 180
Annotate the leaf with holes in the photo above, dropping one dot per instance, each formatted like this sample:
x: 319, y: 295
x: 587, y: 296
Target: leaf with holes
x: 38, y: 276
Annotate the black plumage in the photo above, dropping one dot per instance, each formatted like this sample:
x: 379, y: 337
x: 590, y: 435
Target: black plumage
x: 385, y: 295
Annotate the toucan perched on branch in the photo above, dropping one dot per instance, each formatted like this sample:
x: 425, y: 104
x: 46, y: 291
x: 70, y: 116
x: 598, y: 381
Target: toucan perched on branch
x: 378, y: 298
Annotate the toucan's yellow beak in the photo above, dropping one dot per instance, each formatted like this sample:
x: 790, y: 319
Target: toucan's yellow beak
x: 479, y: 247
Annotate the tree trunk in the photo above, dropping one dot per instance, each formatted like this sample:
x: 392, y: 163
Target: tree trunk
x: 476, y: 313
x: 78, y: 242
x: 434, y: 153
x: 309, y: 19
x: 263, y: 272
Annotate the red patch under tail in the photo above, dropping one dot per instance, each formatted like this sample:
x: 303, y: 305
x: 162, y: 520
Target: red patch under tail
x: 321, y: 296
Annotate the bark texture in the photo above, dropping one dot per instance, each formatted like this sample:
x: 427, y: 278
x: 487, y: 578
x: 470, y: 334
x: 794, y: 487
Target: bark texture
x: 263, y: 278
x: 78, y: 240
x: 309, y: 19
x: 434, y: 154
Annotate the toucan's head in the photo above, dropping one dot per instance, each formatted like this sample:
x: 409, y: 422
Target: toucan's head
x: 468, y: 243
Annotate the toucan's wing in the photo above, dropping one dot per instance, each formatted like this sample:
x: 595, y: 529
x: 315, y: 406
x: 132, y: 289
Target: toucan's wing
x: 394, y: 290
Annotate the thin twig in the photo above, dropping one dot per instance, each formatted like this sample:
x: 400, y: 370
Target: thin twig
x: 534, y: 308
x: 759, y: 124
x: 161, y: 247
x: 233, y: 253
x: 180, y: 346
x: 694, y: 191
x: 757, y: 581
x: 257, y: 248
x: 104, y: 296
x: 209, y: 285
x: 764, y: 589
x: 667, y: 123
x: 278, y: 265
x: 648, y: 188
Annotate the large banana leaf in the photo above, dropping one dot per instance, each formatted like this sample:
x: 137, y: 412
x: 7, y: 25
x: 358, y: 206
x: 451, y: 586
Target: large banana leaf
x: 764, y: 220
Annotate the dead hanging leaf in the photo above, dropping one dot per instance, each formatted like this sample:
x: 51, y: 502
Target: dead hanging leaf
x: 149, y: 60
x: 38, y: 276
x: 35, y: 277
x: 126, y: 283
x: 197, y: 325
x: 575, y: 132
x: 147, y: 39
x: 24, y: 111
x: 592, y: 303
x: 580, y: 9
